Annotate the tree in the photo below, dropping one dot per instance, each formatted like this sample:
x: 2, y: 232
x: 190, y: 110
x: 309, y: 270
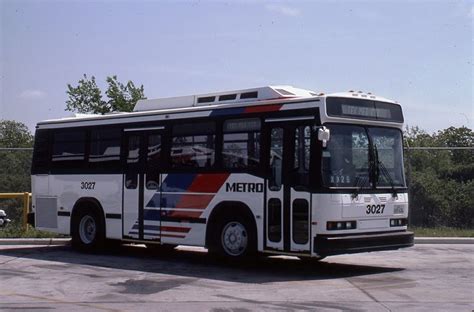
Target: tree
x: 441, y: 182
x: 122, y: 98
x: 14, y: 164
x: 14, y: 134
x: 86, y: 97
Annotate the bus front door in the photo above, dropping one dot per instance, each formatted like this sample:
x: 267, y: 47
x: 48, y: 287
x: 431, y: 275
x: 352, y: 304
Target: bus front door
x: 141, y: 184
x: 288, y: 200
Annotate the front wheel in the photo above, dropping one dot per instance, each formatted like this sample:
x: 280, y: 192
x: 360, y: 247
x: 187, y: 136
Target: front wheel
x: 236, y: 238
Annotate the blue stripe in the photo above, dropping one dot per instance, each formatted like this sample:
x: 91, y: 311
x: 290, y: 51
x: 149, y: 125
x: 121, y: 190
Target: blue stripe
x: 177, y: 182
x: 151, y: 215
x: 154, y: 201
x: 228, y: 111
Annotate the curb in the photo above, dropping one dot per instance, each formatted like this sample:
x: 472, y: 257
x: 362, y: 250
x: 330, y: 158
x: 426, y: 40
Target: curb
x: 35, y: 241
x: 444, y: 240
x: 66, y: 241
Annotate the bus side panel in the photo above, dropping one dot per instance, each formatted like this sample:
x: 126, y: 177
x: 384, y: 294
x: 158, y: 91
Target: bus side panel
x: 196, y: 195
x: 105, y: 188
x: 46, y: 219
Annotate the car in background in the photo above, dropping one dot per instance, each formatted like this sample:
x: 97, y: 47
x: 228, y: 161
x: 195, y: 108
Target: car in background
x: 3, y: 219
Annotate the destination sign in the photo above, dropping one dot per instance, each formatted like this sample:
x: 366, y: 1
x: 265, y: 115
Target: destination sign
x: 363, y: 109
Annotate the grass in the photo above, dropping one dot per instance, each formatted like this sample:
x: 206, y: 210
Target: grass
x: 442, y: 232
x: 16, y: 231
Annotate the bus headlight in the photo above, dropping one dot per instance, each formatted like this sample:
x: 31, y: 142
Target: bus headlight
x: 341, y: 225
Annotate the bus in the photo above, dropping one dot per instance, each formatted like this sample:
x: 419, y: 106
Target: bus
x: 272, y: 170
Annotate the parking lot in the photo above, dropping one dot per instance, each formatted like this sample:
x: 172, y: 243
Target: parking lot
x: 425, y: 277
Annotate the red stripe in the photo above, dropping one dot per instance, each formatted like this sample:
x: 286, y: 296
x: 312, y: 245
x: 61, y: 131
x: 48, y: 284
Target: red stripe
x: 175, y: 229
x: 185, y: 214
x: 263, y: 108
x: 208, y: 183
x: 172, y: 235
x: 194, y: 201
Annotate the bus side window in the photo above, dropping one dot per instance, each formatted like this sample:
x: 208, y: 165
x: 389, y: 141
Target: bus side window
x: 105, y: 149
x: 133, y: 162
x: 68, y: 149
x: 41, y: 154
x: 193, y: 145
x: 276, y: 158
x: 241, y: 143
x: 301, y: 157
x: 153, y: 162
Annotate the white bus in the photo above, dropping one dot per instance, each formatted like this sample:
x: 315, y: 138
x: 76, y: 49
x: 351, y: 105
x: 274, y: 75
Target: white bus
x: 276, y: 170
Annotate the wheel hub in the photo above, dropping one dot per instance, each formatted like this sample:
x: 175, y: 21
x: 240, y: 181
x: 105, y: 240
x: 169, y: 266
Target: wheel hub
x: 234, y: 238
x: 87, y: 229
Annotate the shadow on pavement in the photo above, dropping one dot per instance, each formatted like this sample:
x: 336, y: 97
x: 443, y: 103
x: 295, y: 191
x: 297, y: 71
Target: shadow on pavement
x: 183, y: 263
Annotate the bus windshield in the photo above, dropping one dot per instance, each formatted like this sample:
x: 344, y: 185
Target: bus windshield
x: 363, y: 157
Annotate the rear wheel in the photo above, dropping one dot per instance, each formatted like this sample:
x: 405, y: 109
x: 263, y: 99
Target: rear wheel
x: 88, y: 230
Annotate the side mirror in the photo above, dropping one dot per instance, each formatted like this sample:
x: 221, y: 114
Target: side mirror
x: 324, y: 135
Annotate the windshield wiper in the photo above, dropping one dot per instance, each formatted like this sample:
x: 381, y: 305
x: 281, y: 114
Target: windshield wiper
x: 361, y: 182
x: 382, y: 169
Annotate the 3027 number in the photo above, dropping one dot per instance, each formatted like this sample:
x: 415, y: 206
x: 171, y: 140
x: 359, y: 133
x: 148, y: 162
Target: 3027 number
x: 87, y: 185
x: 375, y: 209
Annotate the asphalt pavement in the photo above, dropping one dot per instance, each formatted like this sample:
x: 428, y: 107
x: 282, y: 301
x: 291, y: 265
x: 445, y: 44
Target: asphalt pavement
x: 427, y: 277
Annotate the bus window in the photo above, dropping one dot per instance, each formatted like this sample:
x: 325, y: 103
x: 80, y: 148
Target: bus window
x: 153, y: 162
x: 274, y: 220
x: 133, y: 159
x: 300, y: 221
x: 276, y: 157
x: 105, y: 148
x: 302, y: 156
x: 193, y: 145
x: 41, y: 153
x: 241, y: 143
x: 69, y: 146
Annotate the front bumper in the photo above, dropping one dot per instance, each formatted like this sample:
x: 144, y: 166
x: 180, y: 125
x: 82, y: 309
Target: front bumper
x: 327, y: 245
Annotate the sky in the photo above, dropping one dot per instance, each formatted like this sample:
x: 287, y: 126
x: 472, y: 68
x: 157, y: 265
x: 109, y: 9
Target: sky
x: 419, y: 53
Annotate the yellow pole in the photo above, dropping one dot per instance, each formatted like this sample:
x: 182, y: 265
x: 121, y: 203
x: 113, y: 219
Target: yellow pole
x: 11, y: 195
x: 26, y: 208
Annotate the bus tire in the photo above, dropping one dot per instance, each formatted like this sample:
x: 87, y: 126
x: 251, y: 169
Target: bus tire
x: 88, y: 230
x: 235, y: 239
